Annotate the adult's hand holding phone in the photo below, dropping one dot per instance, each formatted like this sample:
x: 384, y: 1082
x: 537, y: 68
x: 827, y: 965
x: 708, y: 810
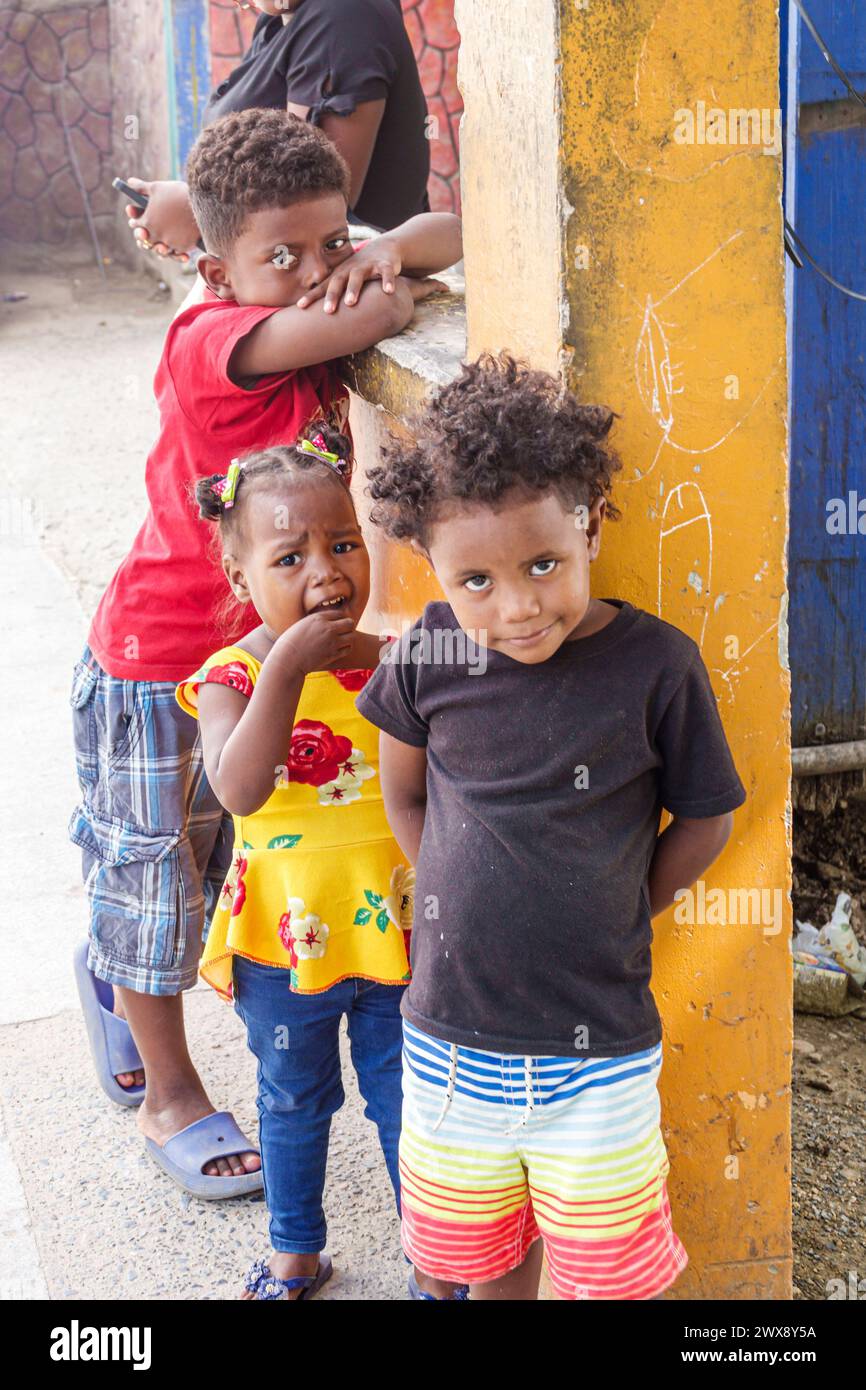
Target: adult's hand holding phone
x: 167, y: 225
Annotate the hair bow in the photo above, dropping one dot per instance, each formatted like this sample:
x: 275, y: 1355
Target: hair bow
x: 316, y: 446
x: 228, y: 486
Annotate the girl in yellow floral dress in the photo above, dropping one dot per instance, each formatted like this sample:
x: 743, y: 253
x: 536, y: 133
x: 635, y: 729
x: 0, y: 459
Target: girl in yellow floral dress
x: 314, y: 915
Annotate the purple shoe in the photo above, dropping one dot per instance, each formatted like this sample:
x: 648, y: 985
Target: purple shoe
x: 184, y: 1155
x: 268, y: 1287
x: 460, y: 1294
x: 111, y: 1044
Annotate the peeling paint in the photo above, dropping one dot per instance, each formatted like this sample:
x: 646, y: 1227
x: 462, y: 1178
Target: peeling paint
x: 783, y: 632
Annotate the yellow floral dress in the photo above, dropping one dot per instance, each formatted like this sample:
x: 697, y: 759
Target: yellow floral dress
x: 318, y: 885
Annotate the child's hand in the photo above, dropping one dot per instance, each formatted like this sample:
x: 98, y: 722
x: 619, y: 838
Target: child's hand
x: 423, y: 289
x: 319, y: 642
x: 380, y: 259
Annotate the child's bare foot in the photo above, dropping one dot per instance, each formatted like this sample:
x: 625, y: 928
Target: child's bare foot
x: 162, y: 1121
x: 288, y: 1266
x: 126, y: 1079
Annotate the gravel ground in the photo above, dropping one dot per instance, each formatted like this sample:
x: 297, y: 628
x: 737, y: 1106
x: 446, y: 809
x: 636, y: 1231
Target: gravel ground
x: 829, y: 1102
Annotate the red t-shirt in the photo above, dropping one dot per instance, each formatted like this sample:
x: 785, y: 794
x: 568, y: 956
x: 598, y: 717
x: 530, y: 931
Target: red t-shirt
x: 160, y: 616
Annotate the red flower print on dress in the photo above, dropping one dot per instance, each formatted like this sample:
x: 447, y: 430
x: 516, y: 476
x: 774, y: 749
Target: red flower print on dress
x: 302, y: 933
x: 233, y: 674
x: 240, y: 889
x: 316, y: 752
x: 353, y: 680
x: 285, y: 935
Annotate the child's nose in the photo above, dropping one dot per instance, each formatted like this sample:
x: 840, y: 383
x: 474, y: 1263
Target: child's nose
x: 315, y: 272
x: 325, y: 569
x: 518, y: 605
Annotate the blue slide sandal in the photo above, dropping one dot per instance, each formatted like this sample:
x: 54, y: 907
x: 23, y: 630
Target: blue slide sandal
x: 184, y: 1155
x: 111, y: 1045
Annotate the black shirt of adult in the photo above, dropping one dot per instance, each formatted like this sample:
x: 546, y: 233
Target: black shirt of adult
x: 332, y: 56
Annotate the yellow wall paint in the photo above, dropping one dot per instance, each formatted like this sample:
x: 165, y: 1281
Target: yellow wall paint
x: 682, y: 291
x: 677, y: 321
x: 401, y: 582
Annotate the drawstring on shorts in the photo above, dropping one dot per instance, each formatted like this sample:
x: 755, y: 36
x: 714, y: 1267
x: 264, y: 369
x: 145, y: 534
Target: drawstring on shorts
x: 449, y: 1089
x: 529, y: 1095
x: 528, y: 1091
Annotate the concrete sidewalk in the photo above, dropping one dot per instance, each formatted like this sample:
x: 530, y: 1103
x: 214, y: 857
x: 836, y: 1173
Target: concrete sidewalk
x: 83, y: 1212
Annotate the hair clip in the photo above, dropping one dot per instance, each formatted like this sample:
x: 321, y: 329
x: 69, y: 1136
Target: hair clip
x: 228, y: 486
x: 316, y: 446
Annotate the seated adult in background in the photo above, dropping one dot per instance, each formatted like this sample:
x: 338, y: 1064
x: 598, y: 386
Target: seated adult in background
x: 344, y: 65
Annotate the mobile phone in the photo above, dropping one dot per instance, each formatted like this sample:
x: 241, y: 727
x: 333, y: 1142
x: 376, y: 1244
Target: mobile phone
x: 138, y: 200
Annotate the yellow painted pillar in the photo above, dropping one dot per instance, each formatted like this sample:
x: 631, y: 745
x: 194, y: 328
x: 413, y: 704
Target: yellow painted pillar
x: 621, y: 178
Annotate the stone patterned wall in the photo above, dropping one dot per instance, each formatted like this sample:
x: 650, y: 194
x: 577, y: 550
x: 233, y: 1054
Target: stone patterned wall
x: 230, y: 32
x: 139, y: 90
x: 435, y: 41
x: 40, y: 198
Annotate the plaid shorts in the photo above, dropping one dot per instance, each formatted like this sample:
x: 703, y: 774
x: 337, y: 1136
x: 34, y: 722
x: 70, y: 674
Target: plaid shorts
x: 156, y: 843
x: 497, y: 1150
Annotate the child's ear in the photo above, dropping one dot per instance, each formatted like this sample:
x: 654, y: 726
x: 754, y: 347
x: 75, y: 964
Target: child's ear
x: 215, y: 274
x: 594, y: 525
x: 237, y: 579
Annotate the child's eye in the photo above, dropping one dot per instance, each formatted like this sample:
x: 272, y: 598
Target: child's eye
x: 290, y: 560
x: 283, y: 259
x: 543, y: 567
x: 477, y: 583
x: 337, y: 244
x: 343, y: 547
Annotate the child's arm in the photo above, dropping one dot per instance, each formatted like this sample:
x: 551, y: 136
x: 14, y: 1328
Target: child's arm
x: 403, y: 774
x: 429, y: 242
x: 246, y: 741
x: 683, y: 851
x: 295, y: 337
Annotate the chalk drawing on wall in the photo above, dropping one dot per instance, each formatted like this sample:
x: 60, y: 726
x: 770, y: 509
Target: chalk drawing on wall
x: 687, y: 562
x: 659, y: 379
x: 730, y: 673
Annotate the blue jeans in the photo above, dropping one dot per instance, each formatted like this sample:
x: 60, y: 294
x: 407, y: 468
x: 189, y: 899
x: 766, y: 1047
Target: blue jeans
x: 295, y: 1039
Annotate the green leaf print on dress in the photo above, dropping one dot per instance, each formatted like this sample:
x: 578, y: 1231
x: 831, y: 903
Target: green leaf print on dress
x: 394, y: 907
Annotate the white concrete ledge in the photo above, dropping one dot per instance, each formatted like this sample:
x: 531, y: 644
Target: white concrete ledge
x: 398, y: 373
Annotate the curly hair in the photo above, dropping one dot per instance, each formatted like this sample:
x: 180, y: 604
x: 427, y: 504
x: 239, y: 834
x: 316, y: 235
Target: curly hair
x: 499, y: 426
x: 257, y: 159
x: 261, y: 469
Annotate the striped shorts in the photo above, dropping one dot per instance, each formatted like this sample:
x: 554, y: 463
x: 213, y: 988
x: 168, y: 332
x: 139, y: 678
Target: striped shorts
x: 497, y: 1150
x: 155, y: 842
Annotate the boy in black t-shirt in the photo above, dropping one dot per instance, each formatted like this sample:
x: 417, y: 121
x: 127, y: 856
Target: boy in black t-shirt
x: 531, y: 736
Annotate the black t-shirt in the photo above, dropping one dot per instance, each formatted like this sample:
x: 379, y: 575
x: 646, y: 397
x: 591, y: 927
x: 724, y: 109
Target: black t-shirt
x: 545, y: 785
x: 331, y: 56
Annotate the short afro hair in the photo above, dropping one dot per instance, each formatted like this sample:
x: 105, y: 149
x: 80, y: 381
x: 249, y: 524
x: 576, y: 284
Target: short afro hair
x: 257, y: 159
x: 499, y: 426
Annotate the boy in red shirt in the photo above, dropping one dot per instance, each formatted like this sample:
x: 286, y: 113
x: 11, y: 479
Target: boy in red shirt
x: 249, y: 367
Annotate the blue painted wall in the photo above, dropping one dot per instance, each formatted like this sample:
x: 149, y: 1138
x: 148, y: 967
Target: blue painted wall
x: 187, y: 36
x: 827, y: 206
